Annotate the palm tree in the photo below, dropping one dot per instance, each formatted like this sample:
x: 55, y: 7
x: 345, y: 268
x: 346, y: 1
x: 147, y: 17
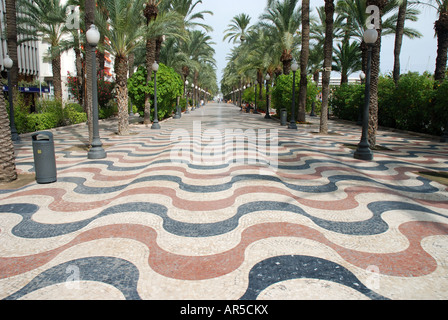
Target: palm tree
x: 347, y: 59
x: 8, y: 171
x: 441, y: 28
x: 11, y: 30
x: 399, y: 38
x: 328, y: 58
x: 238, y: 28
x: 304, y: 59
x: 150, y: 12
x: 124, y: 30
x: 282, y: 20
x: 186, y: 8
x: 89, y: 19
x: 48, y: 21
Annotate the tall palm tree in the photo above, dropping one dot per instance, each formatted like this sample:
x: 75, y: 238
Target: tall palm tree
x: 347, y: 59
x: 124, y: 30
x: 8, y: 171
x: 282, y: 20
x: 399, y: 38
x: 48, y: 21
x: 11, y: 34
x: 89, y: 19
x: 375, y: 70
x: 328, y: 58
x: 304, y: 59
x: 186, y: 8
x: 150, y: 12
x: 238, y: 28
x: 441, y: 28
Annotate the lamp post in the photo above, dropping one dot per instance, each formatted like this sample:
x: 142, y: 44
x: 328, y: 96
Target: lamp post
x: 7, y: 63
x: 255, y: 107
x: 186, y: 97
x: 194, y: 97
x: 268, y: 83
x: 96, y: 151
x: 292, y: 124
x: 363, y: 151
x: 362, y: 77
x: 155, y: 124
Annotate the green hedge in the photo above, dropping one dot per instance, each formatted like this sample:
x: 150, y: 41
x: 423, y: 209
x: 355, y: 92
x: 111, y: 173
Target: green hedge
x: 416, y: 104
x: 169, y: 87
x: 49, y: 114
x: 282, y: 94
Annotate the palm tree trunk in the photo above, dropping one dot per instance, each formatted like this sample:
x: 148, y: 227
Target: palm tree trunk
x: 399, y: 40
x: 373, y: 109
x: 121, y: 71
x: 11, y: 30
x: 441, y: 27
x: 8, y: 171
x: 286, y: 60
x: 328, y: 53
x: 150, y: 12
x: 57, y: 81
x: 89, y: 19
x: 150, y: 58
x: 304, y: 60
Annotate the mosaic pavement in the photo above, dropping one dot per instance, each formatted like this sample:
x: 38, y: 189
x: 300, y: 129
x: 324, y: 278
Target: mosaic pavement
x: 167, y: 216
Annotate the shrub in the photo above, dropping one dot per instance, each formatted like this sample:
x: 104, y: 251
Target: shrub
x: 416, y: 103
x: 169, y: 87
x: 282, y: 93
x: 346, y: 101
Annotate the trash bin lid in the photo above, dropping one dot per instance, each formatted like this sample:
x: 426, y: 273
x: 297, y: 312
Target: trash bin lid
x: 48, y: 134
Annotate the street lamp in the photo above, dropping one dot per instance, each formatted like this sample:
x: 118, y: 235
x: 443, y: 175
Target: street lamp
x: 193, y: 98
x: 292, y: 123
x: 96, y: 151
x: 186, y: 97
x: 7, y: 63
x: 362, y: 77
x: 268, y: 78
x: 255, y: 108
x: 155, y: 124
x: 363, y: 151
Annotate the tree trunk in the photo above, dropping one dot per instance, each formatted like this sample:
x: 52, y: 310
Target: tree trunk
x: 8, y: 171
x: 89, y: 19
x: 441, y: 27
x: 150, y: 12
x: 150, y: 58
x: 121, y: 71
x: 304, y: 60
x: 79, y: 71
x: 328, y: 53
x: 373, y: 109
x: 399, y: 40
x: 57, y: 81
x: 11, y: 34
x: 131, y: 64
x: 286, y: 60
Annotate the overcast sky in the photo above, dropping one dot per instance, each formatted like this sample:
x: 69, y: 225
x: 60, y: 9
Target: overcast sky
x: 417, y: 55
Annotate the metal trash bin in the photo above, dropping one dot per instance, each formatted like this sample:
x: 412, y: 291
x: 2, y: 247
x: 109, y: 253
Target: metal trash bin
x: 283, y: 117
x: 44, y: 157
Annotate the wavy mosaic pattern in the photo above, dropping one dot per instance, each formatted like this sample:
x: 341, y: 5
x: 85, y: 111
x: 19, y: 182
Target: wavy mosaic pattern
x: 144, y: 224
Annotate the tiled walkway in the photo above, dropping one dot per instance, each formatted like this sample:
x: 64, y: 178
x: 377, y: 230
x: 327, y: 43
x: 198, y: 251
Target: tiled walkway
x: 188, y: 212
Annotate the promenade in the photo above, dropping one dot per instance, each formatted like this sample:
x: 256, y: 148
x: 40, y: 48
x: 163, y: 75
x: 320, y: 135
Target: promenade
x: 227, y: 205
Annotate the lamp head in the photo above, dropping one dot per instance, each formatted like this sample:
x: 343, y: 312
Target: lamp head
x: 155, y: 66
x: 370, y: 36
x: 93, y: 35
x: 294, y: 66
x: 7, y: 62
